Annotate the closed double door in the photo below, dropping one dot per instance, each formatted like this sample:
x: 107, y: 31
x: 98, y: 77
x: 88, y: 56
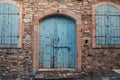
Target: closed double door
x: 57, y: 42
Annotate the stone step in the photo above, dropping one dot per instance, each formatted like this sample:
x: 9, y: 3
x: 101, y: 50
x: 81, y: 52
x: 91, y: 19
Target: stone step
x: 58, y: 76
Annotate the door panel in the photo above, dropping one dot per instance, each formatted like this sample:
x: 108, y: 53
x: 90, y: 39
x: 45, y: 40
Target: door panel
x: 57, y: 42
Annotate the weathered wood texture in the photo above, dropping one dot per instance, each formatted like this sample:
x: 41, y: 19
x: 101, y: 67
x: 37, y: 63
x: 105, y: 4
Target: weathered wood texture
x: 18, y: 63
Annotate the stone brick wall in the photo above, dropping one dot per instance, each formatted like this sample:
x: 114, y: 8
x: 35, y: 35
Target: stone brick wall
x: 96, y: 60
x: 18, y: 63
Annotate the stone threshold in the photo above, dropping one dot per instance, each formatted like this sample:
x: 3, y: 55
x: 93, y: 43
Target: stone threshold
x: 57, y: 69
x: 58, y: 74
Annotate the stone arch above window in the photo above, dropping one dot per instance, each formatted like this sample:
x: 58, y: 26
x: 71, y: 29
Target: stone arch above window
x: 106, y: 25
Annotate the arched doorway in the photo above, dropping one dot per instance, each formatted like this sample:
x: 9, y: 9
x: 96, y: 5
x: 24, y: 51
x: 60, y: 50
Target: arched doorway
x: 57, y: 42
x: 67, y: 14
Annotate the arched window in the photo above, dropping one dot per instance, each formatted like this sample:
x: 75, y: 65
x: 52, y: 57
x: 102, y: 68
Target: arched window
x: 8, y: 25
x: 107, y: 25
x: 9, y: 22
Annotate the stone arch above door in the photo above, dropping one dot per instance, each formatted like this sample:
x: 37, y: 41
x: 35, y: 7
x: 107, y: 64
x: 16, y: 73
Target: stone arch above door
x: 49, y: 12
x: 68, y: 13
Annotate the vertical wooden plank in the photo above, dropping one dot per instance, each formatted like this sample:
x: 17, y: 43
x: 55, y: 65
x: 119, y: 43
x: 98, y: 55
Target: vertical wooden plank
x: 46, y: 42
x: 14, y: 30
x: 41, y: 48
x: 5, y: 28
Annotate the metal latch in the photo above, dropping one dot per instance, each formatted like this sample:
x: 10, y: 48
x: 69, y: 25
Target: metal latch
x: 63, y: 47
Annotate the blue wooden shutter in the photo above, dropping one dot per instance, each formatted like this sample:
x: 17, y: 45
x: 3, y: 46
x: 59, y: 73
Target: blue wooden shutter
x: 8, y: 25
x: 107, y: 25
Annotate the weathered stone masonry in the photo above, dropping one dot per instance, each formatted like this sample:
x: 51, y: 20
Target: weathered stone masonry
x: 19, y: 63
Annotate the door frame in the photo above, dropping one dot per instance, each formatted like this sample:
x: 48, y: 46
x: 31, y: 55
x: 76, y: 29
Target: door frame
x: 35, y: 38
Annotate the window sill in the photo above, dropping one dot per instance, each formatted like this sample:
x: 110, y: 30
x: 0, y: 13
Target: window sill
x: 57, y: 69
x: 9, y: 46
x: 106, y: 46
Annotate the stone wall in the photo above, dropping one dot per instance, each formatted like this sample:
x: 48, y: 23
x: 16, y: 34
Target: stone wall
x: 96, y: 60
x: 18, y: 63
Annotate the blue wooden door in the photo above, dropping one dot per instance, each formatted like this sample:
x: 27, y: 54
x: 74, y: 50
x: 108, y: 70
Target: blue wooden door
x: 57, y: 42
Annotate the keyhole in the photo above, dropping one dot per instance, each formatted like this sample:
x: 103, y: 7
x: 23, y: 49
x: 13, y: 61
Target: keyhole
x: 106, y: 25
x: 107, y: 17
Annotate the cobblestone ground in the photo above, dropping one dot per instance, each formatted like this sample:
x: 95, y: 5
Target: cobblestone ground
x: 111, y: 75
x: 105, y: 76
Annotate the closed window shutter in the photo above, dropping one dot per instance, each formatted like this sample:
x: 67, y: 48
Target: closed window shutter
x: 8, y: 25
x: 107, y: 25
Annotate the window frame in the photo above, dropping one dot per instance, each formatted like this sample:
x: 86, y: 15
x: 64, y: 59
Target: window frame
x: 20, y: 23
x: 94, y: 45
